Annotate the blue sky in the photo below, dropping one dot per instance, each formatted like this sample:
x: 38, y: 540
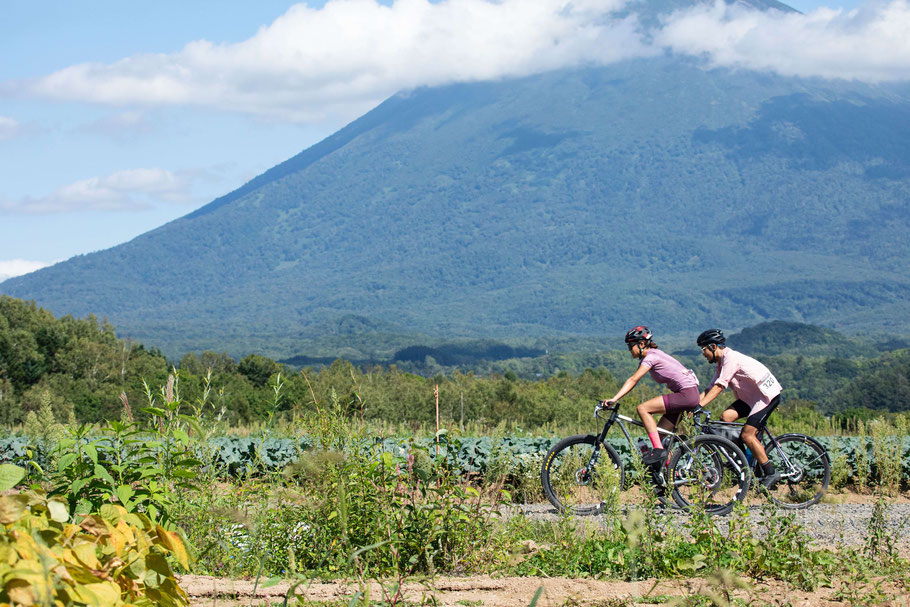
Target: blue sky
x: 117, y: 117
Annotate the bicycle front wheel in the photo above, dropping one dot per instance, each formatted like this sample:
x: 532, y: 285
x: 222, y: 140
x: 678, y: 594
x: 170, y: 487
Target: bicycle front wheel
x: 805, y: 471
x: 710, y: 472
x: 580, y: 475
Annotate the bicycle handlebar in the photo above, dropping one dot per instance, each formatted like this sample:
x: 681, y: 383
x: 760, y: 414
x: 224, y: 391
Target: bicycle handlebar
x: 601, y: 407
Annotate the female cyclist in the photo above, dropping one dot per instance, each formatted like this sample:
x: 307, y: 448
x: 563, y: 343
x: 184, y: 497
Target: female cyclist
x: 756, y: 389
x: 664, y: 369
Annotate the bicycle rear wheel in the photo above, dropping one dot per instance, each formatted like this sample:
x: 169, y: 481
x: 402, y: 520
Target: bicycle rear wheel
x: 580, y: 475
x: 805, y: 473
x: 711, y: 472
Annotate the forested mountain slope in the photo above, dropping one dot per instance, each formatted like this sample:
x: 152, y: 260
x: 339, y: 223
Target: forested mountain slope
x: 576, y: 202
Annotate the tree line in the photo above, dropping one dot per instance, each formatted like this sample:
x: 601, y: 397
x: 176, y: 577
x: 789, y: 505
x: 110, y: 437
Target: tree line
x: 83, y: 372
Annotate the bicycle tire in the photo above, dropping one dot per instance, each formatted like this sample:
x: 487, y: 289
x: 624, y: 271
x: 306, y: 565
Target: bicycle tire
x: 570, y: 486
x: 711, y: 471
x: 807, y: 481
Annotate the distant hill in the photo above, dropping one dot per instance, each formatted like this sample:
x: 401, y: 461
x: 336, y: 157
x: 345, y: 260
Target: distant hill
x: 572, y: 203
x: 780, y: 337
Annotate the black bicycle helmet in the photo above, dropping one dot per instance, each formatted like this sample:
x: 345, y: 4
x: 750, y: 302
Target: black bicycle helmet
x: 711, y: 336
x: 640, y: 333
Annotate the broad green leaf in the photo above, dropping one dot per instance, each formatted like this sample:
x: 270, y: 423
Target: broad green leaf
x: 181, y: 436
x: 10, y: 476
x: 189, y: 462
x: 110, y: 512
x: 193, y: 422
x: 101, y: 472
x: 92, y: 452
x: 124, y: 493
x: 137, y: 569
x: 66, y: 460
x: 157, y: 570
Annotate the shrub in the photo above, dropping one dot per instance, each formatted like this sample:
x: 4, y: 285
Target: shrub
x: 108, y: 559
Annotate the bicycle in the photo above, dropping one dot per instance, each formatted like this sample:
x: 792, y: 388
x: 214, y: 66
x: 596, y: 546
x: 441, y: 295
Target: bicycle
x: 802, y: 461
x: 707, y: 469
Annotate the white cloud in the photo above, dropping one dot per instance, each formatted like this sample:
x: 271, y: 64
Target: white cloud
x: 344, y: 57
x: 9, y: 128
x: 871, y: 43
x: 18, y: 267
x: 338, y: 61
x: 132, y: 189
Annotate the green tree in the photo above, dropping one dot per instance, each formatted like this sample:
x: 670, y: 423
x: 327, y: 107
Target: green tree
x: 258, y: 369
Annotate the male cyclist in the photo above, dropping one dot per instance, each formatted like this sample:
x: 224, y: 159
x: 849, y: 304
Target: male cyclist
x: 756, y: 389
x: 664, y: 369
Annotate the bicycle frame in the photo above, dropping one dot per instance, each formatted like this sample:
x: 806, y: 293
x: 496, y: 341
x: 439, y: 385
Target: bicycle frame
x: 764, y: 437
x: 698, y: 467
x: 615, y: 417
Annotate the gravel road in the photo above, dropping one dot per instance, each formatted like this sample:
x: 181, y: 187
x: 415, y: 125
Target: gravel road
x: 828, y: 524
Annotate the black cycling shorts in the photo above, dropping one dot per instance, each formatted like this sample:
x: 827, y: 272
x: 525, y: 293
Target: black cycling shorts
x: 758, y: 420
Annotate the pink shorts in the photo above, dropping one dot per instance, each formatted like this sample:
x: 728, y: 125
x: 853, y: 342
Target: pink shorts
x: 677, y: 402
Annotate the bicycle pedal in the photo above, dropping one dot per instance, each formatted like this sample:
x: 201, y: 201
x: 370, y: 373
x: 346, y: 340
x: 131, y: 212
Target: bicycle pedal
x: 658, y: 479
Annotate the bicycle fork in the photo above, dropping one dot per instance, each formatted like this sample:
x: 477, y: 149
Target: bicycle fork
x: 585, y: 473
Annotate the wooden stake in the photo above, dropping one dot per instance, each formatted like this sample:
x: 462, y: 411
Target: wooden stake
x: 436, y: 394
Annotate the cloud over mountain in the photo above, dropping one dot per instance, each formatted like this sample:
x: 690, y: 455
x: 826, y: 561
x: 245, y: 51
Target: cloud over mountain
x: 350, y: 54
x: 346, y: 56
x: 18, y: 267
x: 870, y: 44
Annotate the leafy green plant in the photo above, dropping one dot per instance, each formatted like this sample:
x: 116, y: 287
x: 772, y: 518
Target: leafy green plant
x: 862, y: 465
x: 123, y: 466
x: 840, y: 470
x: 105, y: 560
x: 887, y: 447
x: 139, y: 468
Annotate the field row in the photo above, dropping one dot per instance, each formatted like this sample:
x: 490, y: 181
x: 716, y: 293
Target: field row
x: 855, y: 460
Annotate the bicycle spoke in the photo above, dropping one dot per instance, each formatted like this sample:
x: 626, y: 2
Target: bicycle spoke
x: 710, y: 474
x: 580, y: 479
x: 805, y: 471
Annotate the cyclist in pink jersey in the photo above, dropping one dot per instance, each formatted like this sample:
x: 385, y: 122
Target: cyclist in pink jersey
x: 756, y: 389
x: 664, y: 369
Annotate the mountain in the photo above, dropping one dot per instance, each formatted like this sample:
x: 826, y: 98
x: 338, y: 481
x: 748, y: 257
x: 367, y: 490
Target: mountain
x: 574, y: 202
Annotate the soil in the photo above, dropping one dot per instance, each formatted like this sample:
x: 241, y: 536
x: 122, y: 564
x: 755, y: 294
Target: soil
x: 514, y: 592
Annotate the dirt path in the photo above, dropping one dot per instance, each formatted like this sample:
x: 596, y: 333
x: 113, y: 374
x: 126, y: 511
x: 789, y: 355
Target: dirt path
x: 507, y: 592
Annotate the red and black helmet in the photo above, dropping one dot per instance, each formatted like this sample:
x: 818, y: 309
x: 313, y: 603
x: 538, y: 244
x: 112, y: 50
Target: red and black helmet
x: 640, y: 333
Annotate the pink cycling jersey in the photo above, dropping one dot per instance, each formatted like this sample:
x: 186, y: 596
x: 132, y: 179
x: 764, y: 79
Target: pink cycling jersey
x: 750, y: 380
x: 665, y: 369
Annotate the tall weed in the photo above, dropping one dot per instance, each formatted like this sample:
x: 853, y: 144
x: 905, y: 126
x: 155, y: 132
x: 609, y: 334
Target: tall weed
x: 861, y: 464
x: 887, y: 449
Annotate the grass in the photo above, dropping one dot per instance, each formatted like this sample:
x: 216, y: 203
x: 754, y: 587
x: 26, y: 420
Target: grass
x: 349, y: 510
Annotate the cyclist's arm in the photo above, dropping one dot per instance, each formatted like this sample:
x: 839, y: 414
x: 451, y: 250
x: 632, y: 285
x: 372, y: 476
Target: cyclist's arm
x: 631, y: 382
x: 710, y: 394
